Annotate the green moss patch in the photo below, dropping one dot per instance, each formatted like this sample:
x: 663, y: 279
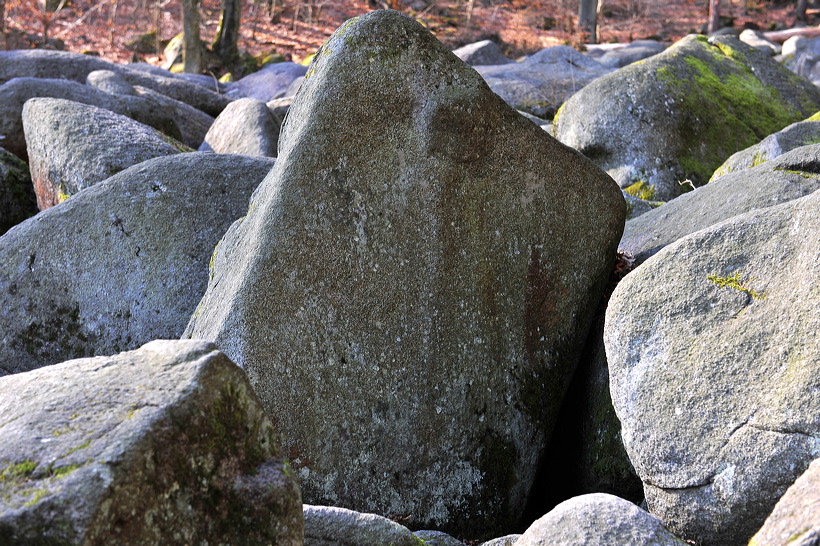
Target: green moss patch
x: 642, y: 190
x: 734, y: 282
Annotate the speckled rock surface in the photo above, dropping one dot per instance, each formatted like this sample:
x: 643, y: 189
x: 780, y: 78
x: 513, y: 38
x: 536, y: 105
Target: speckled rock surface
x: 796, y: 516
x: 72, y: 146
x: 597, y: 520
x: 246, y: 127
x: 331, y: 526
x: 790, y: 176
x: 120, y: 264
x: 167, y: 444
x: 17, y: 200
x: 714, y: 366
x: 715, y: 97
x: 413, y: 281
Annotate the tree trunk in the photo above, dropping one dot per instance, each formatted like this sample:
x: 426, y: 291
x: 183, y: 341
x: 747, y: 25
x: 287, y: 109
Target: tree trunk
x: 227, y: 35
x: 714, y: 16
x: 588, y: 20
x: 3, y: 25
x: 191, y: 48
x: 800, y: 12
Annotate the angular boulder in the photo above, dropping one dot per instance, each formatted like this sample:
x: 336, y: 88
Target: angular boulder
x: 17, y: 199
x: 331, y: 526
x: 790, y: 176
x: 796, y: 516
x: 121, y: 263
x: 413, y: 281
x: 72, y: 146
x: 597, y: 519
x: 14, y: 94
x: 542, y: 82
x: 164, y: 444
x: 714, y: 366
x: 715, y: 97
x: 246, y: 127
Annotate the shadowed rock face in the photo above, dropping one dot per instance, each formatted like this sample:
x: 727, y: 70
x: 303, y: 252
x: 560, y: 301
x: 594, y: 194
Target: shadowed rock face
x: 412, y: 283
x: 166, y: 444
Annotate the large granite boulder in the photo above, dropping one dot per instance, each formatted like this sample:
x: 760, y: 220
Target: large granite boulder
x: 413, y: 282
x: 17, y: 199
x: 42, y: 63
x: 481, y: 53
x: 789, y: 176
x: 714, y: 366
x: 269, y: 83
x: 802, y: 133
x: 796, y: 516
x: 332, y: 526
x: 14, y: 94
x: 72, y: 146
x: 247, y: 127
x: 167, y: 444
x: 193, y: 124
x: 121, y: 263
x: 597, y: 519
x: 542, y: 82
x: 618, y: 57
x: 714, y: 97
x: 110, y: 82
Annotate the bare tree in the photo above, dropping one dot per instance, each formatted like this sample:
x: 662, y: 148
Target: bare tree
x: 588, y: 20
x: 714, y: 16
x: 800, y: 12
x: 227, y: 35
x: 191, y: 47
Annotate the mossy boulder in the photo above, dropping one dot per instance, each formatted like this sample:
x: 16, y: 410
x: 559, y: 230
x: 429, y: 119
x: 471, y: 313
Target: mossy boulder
x: 167, y: 444
x: 413, y: 282
x: 677, y: 116
x: 17, y: 199
x: 247, y: 127
x: 714, y: 366
x: 120, y: 263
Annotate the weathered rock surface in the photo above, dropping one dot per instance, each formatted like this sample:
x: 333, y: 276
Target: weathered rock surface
x: 715, y: 97
x: 790, y: 176
x: 633, y: 52
x: 245, y: 127
x: 193, y: 124
x: 14, y: 94
x: 72, y: 146
x: 17, y: 200
x: 796, y: 516
x: 331, y: 526
x: 120, y: 264
x: 167, y: 444
x: 715, y: 367
x: 481, y: 53
x: 418, y: 237
x: 597, y: 519
x: 271, y: 82
x: 802, y: 133
x: 543, y: 81
x: 42, y: 63
x: 110, y: 82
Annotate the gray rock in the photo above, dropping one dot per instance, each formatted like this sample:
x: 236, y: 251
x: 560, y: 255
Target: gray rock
x: 715, y: 367
x: 41, y: 63
x: 543, y: 81
x: 507, y: 540
x: 802, y: 133
x: 757, y: 40
x: 803, y: 59
x: 636, y: 51
x: 792, y: 46
x: 279, y: 108
x: 481, y: 53
x: 271, y: 82
x: 14, y: 94
x: 790, y: 176
x: 398, y: 247
x: 245, y: 127
x: 72, y: 146
x: 437, y: 538
x: 597, y: 520
x: 331, y: 526
x: 796, y: 516
x: 193, y: 124
x: 121, y: 263
x: 17, y: 199
x: 110, y: 82
x: 208, y: 82
x: 636, y: 206
x: 715, y: 97
x: 294, y: 87
x: 165, y: 444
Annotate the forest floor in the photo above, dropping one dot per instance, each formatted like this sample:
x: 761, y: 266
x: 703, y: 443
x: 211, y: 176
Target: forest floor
x: 296, y: 28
